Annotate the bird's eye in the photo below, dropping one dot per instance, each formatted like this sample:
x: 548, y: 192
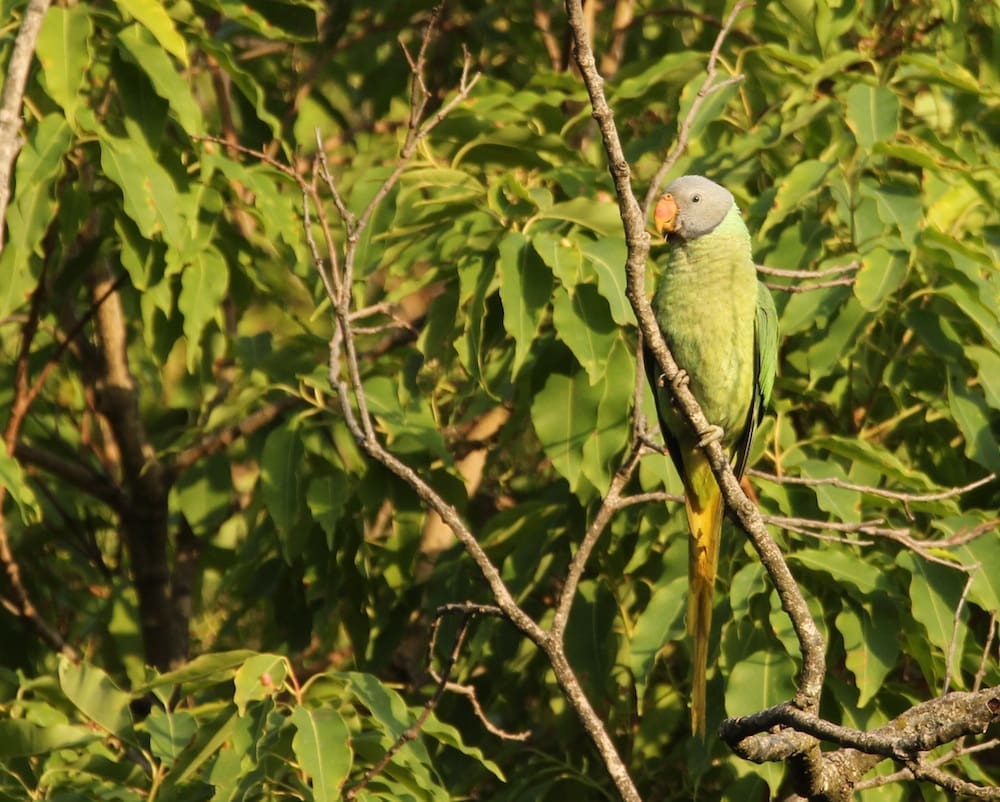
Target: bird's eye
x: 696, y: 199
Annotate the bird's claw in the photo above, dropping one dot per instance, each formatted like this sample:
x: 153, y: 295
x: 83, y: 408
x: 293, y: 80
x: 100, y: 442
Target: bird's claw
x: 710, y: 435
x: 681, y: 378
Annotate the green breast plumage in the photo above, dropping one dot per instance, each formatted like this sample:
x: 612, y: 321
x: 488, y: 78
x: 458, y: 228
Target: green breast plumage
x: 705, y: 305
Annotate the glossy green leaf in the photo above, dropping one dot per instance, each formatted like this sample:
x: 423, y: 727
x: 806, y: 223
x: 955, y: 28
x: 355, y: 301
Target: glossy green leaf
x: 794, y: 191
x: 154, y: 18
x: 261, y: 676
x: 94, y: 694
x: 610, y: 438
x: 562, y: 256
x: 661, y: 621
x: 203, y: 287
x: 848, y: 569
x: 282, y: 486
x: 583, y: 321
x: 170, y: 732
x: 525, y: 286
x: 602, y: 218
x: 871, y: 644
x: 881, y: 274
x: 139, y: 47
x: 151, y: 197
x: 63, y: 51
x: 988, y: 371
x: 758, y: 681
x: 203, y: 670
x: 564, y: 413
x: 606, y: 256
x: 973, y: 418
x: 21, y: 738
x: 872, y: 114
x: 451, y: 736
x: 322, y: 745
x: 934, y: 593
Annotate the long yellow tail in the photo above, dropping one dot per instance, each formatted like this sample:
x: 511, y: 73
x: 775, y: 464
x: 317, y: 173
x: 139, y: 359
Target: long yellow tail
x: 703, y: 503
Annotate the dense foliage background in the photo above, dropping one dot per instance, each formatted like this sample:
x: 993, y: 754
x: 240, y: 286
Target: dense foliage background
x: 178, y: 484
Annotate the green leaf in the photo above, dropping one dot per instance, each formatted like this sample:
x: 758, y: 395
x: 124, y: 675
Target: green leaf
x: 154, y: 17
x: 326, y: 497
x: 985, y: 589
x: 793, y: 190
x: 610, y: 436
x: 450, y: 736
x: 846, y: 568
x: 97, y: 697
x: 259, y: 677
x: 871, y: 643
x: 139, y: 47
x: 934, y: 593
x: 872, y: 114
x: 711, y: 109
x: 63, y: 51
x: 20, y: 738
x: 988, y: 366
x: 607, y: 258
x: 564, y: 414
x: 843, y: 504
x: 590, y: 634
x: 525, y: 286
x: 169, y: 732
x: 322, y: 745
x: 973, y: 419
x: 583, y: 321
x: 882, y: 273
x: 151, y: 197
x: 203, y: 288
x: 758, y: 681
x: 898, y: 205
x: 660, y: 623
x: 281, y: 478
x: 562, y: 256
x: 384, y: 704
x: 210, y: 741
x: 39, y: 165
x: 206, y: 669
x: 13, y: 480
x: 589, y: 213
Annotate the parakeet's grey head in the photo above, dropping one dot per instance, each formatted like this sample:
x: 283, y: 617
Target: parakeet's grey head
x: 691, y: 207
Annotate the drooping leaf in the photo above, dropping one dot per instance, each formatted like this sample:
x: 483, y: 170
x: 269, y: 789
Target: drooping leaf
x: 872, y: 114
x: 261, y: 676
x: 525, y: 286
x: 322, y: 744
x: 63, y: 50
x: 139, y: 47
x: 155, y: 19
x: 203, y: 287
x: 97, y: 697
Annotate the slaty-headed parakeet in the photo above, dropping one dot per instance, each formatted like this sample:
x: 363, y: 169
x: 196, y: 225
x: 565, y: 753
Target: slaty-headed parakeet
x: 721, y: 327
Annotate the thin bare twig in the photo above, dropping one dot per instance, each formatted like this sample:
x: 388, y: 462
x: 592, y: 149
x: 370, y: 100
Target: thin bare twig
x: 818, y: 285
x: 809, y: 274
x: 956, y: 626
x: 411, y: 732
x: 469, y: 692
x: 708, y: 87
x: 896, y: 495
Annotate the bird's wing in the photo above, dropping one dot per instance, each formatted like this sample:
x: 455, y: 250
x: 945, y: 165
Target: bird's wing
x: 765, y: 348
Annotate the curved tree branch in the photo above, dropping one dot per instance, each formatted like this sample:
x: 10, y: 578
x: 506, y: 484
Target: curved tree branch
x: 10, y: 101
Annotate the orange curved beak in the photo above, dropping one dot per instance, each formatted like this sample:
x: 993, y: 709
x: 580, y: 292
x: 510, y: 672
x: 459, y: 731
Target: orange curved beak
x: 665, y: 215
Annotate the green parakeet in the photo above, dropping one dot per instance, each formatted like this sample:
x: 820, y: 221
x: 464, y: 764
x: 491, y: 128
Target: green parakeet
x: 721, y: 326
